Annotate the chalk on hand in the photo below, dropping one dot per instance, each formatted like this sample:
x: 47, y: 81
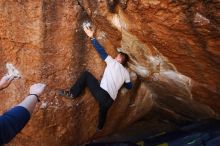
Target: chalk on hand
x: 87, y: 24
x: 12, y: 71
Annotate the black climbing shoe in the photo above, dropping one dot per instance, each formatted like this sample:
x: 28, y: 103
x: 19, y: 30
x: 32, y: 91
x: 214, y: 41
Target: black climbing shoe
x: 65, y: 94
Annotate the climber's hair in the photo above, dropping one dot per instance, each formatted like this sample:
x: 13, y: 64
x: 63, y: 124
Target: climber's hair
x: 125, y: 58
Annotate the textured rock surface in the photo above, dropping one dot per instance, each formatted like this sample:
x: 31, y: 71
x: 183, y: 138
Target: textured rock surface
x: 174, y: 50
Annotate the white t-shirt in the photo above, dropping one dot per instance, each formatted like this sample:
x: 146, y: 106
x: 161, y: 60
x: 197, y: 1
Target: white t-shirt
x: 115, y: 75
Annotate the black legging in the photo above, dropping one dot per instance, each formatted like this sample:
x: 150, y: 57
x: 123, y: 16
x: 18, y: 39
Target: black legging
x: 102, y: 96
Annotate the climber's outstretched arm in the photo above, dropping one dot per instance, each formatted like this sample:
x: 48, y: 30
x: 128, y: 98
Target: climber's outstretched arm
x: 99, y: 48
x: 14, y: 120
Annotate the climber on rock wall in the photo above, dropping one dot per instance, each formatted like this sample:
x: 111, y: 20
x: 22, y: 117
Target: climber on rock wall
x: 14, y: 120
x: 115, y: 75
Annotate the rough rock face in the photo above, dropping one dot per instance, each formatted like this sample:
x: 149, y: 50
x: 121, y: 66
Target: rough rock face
x: 173, y: 48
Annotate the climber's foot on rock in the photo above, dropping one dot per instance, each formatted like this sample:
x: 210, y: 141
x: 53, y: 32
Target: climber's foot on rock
x: 66, y: 94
